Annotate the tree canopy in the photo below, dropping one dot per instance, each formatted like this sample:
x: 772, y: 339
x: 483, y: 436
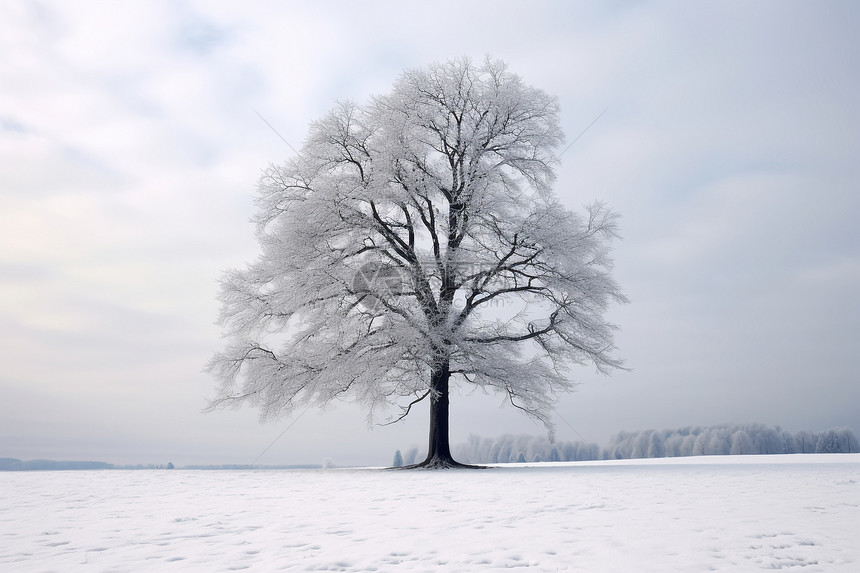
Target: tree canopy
x: 415, y: 242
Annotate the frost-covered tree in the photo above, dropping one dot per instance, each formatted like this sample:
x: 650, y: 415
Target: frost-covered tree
x: 415, y: 243
x: 806, y: 442
x: 700, y: 445
x: 718, y: 445
x: 398, y: 459
x: 769, y: 440
x: 741, y: 444
x: 410, y: 456
x: 656, y: 449
x: 789, y: 444
x: 640, y: 445
x: 847, y: 441
x: 673, y: 445
x: 828, y: 443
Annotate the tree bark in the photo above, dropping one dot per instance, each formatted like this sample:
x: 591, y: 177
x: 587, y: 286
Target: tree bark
x: 439, y: 449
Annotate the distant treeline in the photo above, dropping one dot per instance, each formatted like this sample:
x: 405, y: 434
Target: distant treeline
x: 253, y: 467
x: 12, y: 464
x: 16, y: 465
x: 729, y: 439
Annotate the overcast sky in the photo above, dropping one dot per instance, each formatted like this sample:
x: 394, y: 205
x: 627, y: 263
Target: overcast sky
x: 130, y: 146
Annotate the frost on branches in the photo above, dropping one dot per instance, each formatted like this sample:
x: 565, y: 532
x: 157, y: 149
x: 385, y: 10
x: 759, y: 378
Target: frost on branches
x: 415, y: 243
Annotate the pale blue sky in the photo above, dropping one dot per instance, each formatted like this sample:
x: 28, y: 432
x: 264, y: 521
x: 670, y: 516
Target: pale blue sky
x: 130, y: 148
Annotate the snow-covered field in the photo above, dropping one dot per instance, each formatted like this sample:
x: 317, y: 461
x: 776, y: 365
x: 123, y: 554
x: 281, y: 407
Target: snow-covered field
x: 742, y: 513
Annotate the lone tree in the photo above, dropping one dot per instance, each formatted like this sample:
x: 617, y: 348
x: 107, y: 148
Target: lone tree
x: 415, y: 243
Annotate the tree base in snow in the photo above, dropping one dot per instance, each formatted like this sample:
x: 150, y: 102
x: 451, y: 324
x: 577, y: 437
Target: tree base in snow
x: 441, y: 464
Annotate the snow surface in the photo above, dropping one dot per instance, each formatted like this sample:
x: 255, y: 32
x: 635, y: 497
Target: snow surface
x: 729, y: 513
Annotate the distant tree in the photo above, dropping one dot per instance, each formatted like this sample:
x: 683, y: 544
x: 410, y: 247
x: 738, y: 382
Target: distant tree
x: 570, y: 452
x: 788, y: 443
x: 493, y: 456
x: 398, y: 460
x: 589, y: 452
x: 656, y: 448
x: 528, y: 445
x: 700, y: 444
x: 521, y: 459
x: 718, y: 445
x: 741, y: 444
x: 687, y: 443
x: 770, y: 441
x: 640, y: 445
x: 805, y: 442
x: 411, y: 454
x: 506, y: 449
x: 170, y: 465
x: 828, y: 443
x: 673, y: 445
x: 847, y: 441
x: 620, y: 445
x: 414, y: 243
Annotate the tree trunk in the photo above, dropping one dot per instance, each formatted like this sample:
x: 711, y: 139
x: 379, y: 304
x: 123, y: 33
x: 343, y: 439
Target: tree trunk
x: 439, y: 449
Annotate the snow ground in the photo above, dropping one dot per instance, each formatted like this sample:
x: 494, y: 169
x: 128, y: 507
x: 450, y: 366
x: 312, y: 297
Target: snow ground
x: 731, y: 513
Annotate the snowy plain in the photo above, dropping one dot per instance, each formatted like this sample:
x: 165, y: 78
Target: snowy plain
x: 728, y: 513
